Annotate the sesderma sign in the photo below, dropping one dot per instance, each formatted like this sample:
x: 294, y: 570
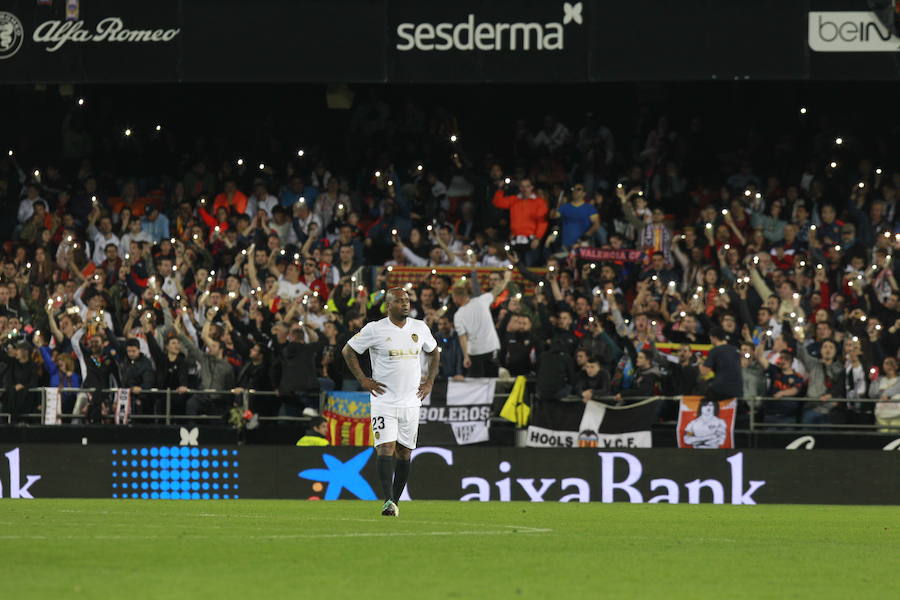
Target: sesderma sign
x: 474, y: 34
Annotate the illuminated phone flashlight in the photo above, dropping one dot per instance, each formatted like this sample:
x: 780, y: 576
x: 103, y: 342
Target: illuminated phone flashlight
x: 855, y: 339
x: 746, y: 355
x: 231, y: 295
x: 695, y: 297
x: 727, y: 246
x: 49, y: 301
x: 709, y: 225
x: 408, y: 286
x: 262, y: 166
x: 296, y: 256
x: 510, y: 267
x: 832, y: 164
x: 682, y: 314
x: 747, y: 193
x: 721, y: 291
x: 609, y: 291
x: 390, y: 269
x: 796, y: 296
x: 838, y: 141
x: 434, y: 271
x: 878, y: 327
x: 541, y: 284
x: 359, y: 288
x: 769, y: 333
x: 506, y: 247
x: 802, y: 110
x: 59, y: 298
x: 699, y: 289
x: 724, y: 211
x: 654, y: 278
x: 551, y: 268
x: 861, y: 184
x: 174, y: 267
x: 793, y: 315
x: 393, y: 232
x: 196, y: 237
x: 640, y: 192
x: 240, y: 162
x: 469, y: 252
x: 593, y: 265
x: 453, y: 139
x: 282, y: 251
x: 127, y: 132
x: 507, y: 180
x: 684, y: 237
x: 377, y: 173
x: 419, y: 167
x: 863, y: 318
x: 209, y: 279
x: 300, y: 152
x: 671, y: 284
x: 518, y: 296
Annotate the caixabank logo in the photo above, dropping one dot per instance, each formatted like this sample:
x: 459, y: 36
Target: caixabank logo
x: 851, y: 31
x: 474, y: 34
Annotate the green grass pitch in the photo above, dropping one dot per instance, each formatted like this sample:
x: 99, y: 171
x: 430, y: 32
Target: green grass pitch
x: 220, y: 550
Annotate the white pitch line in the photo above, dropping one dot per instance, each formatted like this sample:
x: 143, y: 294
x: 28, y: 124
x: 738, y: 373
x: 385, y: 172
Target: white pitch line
x: 267, y: 537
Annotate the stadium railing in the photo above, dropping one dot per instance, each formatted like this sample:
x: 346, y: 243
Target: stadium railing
x: 168, y: 417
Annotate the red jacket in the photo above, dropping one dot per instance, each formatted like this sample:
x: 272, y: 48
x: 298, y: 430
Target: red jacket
x: 527, y: 216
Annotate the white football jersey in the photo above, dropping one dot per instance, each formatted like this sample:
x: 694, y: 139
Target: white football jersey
x: 395, y: 353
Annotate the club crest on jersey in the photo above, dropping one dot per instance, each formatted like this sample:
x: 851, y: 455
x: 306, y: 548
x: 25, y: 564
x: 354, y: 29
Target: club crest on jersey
x: 415, y: 337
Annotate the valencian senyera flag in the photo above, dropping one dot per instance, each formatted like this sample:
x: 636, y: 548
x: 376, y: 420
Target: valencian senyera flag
x: 349, y: 418
x: 705, y: 423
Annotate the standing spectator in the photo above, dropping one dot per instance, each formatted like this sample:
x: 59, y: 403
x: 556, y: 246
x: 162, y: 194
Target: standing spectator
x: 172, y: 370
x: 887, y: 389
x: 724, y: 365
x: 155, y: 224
x: 451, y: 366
x: 216, y: 373
x: 475, y: 326
x: 579, y: 218
x: 20, y: 377
x: 784, y: 382
x: 296, y: 373
x: 824, y: 383
x: 527, y: 218
x: 137, y: 373
x: 231, y: 199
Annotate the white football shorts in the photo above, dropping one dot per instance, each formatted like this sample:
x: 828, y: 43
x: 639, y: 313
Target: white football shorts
x: 395, y: 424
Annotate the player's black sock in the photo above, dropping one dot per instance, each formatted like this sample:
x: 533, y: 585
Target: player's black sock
x: 385, y: 467
x: 401, y: 476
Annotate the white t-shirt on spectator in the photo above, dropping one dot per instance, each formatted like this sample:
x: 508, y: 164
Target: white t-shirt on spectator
x: 289, y: 291
x: 395, y: 353
x: 474, y: 320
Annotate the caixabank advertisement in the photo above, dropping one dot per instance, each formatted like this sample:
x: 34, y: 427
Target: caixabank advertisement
x: 452, y: 473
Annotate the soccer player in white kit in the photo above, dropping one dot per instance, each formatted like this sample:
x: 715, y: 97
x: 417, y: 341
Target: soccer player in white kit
x: 396, y: 388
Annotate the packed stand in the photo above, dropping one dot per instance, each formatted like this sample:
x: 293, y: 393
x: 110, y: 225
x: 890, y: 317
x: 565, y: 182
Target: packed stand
x: 601, y: 268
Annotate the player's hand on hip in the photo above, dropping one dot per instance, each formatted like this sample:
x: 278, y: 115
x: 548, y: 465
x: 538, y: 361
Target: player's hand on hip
x: 424, y: 389
x: 370, y: 385
x: 467, y: 363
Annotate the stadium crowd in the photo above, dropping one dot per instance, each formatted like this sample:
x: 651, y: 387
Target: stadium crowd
x: 600, y: 265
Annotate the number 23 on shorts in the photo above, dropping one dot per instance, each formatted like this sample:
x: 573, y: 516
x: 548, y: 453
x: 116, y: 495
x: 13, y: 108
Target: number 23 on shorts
x: 377, y: 423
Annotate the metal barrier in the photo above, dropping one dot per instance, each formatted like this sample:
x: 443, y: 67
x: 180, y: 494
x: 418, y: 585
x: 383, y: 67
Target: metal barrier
x: 752, y: 405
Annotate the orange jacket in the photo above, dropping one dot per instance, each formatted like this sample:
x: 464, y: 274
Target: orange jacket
x: 238, y: 202
x: 527, y: 216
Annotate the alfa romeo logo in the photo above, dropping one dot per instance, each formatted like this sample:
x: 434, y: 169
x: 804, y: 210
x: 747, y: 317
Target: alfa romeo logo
x: 11, y: 34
